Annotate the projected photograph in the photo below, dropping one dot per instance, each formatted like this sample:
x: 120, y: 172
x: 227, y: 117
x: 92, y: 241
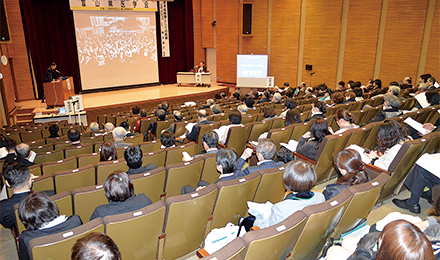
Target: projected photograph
x: 116, y: 48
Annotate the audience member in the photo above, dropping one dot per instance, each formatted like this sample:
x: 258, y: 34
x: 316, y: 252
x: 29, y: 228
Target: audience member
x: 390, y: 109
x: 94, y: 127
x: 108, y: 152
x: 74, y: 137
x: 351, y: 167
x: 337, y: 99
x: 268, y: 113
x: 23, y: 153
x: 350, y: 96
x: 143, y: 115
x: 292, y: 117
x: 161, y: 115
x: 359, y: 94
x: 265, y: 152
x: 345, y: 120
x: 177, y: 118
x: 134, y: 159
x: 119, y: 134
x: 235, y: 120
x: 167, y: 140
x: 10, y: 145
x: 290, y: 103
x: 127, y: 127
x: 277, y: 98
x: 53, y: 131
x: 41, y: 217
x: 108, y: 127
x: 208, y: 104
x: 266, y: 97
x: 242, y: 109
x: 135, y: 110
x: 202, y: 117
x: 95, y: 246
x: 249, y: 102
x: 215, y: 109
x: 165, y: 107
x: 3, y: 150
x: 309, y: 143
x: 119, y: 191
x: 318, y: 110
x: 209, y: 142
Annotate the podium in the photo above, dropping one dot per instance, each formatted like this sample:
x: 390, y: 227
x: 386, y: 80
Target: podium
x: 58, y: 91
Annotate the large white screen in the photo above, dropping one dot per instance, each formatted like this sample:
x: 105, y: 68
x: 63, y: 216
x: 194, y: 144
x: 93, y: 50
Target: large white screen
x: 116, y: 48
x: 251, y: 70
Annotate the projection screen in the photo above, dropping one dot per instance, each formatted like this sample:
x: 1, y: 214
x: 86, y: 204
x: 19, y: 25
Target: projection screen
x: 116, y: 48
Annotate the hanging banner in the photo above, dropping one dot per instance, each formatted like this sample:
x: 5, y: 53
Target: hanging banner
x: 164, y: 32
x: 114, y: 5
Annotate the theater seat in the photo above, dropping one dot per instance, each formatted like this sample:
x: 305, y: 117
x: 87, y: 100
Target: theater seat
x: 280, y: 135
x: 104, y: 169
x: 157, y: 158
x: 49, y: 157
x: 86, y: 199
x: 69, y: 180
x: 258, y: 128
x: 150, y: 183
x: 237, y: 138
x: 174, y: 154
x: 58, y: 166
x: 235, y: 250
x: 181, y: 174
x: 149, y: 147
x: 271, y: 187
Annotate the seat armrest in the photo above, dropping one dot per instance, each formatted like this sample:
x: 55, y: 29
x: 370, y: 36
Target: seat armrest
x: 221, y: 145
x: 254, y: 228
x: 304, y: 158
x: 202, y: 253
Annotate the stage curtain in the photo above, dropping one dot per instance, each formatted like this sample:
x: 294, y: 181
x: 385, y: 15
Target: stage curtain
x: 50, y: 36
x: 180, y: 20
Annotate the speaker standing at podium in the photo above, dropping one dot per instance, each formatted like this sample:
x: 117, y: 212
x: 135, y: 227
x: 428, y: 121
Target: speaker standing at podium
x: 201, y: 68
x: 52, y: 73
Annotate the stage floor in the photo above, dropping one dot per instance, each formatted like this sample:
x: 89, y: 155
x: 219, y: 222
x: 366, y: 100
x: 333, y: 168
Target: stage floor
x: 108, y: 98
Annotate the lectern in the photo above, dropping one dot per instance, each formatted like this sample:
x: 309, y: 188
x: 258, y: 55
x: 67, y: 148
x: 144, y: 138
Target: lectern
x: 58, y: 91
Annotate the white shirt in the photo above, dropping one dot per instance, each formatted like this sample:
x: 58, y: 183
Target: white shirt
x: 223, y: 132
x: 387, y: 158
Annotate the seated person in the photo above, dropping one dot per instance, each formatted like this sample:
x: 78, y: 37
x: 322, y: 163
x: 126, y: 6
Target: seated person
x: 226, y: 161
x: 390, y: 109
x: 23, y: 153
x: 345, y: 121
x: 165, y: 107
x: 292, y: 117
x: 3, y: 150
x: 119, y: 191
x: 119, y: 134
x: 390, y: 137
x: 398, y: 240
x: 318, y: 110
x: 74, y: 138
x: 108, y: 152
x: 202, y: 117
x: 160, y: 114
x: 167, y: 140
x: 95, y: 246
x: 208, y: 103
x: 242, y: 109
x: 235, y: 120
x: 309, y: 143
x: 298, y: 177
x: 249, y: 102
x: 134, y: 158
x: 266, y: 98
x: 53, y: 131
x: 177, y: 118
x: 41, y: 217
x: 94, y: 127
x: 135, y: 110
x: 337, y: 99
x: 10, y: 145
x: 359, y: 93
x: 351, y: 167
x: 350, y: 96
x: 108, y: 128
x: 268, y: 113
x: 290, y: 104
x: 215, y: 109
x: 265, y: 152
x: 277, y: 98
x: 209, y: 142
x: 143, y: 115
x: 127, y: 128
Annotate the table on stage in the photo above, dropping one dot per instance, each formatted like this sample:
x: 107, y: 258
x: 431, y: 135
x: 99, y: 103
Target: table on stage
x: 58, y: 91
x: 60, y: 117
x: 194, y: 78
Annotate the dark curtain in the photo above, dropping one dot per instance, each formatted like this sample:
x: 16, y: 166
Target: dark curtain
x: 50, y: 36
x: 180, y: 21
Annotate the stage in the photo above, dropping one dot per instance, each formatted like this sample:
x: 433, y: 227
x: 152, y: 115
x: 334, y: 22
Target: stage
x: 122, y: 100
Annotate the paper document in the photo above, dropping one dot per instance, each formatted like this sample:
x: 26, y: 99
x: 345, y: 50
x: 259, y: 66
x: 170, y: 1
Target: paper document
x: 32, y: 156
x: 361, y: 151
x: 430, y: 162
x: 416, y: 125
x: 291, y: 145
x: 421, y: 98
x: 190, y: 126
x: 187, y: 157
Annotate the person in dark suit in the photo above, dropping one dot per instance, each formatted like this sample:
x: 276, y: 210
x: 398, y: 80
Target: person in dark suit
x: 41, y: 217
x: 318, y: 110
x: 17, y: 177
x: 266, y: 150
x: 390, y: 109
x: 202, y: 121
x: 23, y: 151
x: 161, y: 115
x: 227, y: 166
x: 74, y: 138
x: 119, y: 191
x: 266, y: 97
x: 51, y: 73
x: 127, y: 128
x: 209, y: 141
x: 177, y: 118
x: 53, y: 130
x: 94, y: 246
x: 134, y: 157
x: 201, y: 68
x: 119, y: 134
x: 10, y: 145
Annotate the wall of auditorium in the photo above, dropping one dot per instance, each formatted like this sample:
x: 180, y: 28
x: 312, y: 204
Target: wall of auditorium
x: 342, y: 39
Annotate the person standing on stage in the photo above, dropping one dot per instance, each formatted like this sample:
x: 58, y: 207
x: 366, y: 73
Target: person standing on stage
x: 201, y: 68
x: 51, y: 73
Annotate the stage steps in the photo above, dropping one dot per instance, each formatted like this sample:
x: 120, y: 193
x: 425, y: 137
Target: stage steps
x: 25, y: 115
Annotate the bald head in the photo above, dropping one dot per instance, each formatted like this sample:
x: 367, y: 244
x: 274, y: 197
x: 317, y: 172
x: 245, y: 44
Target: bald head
x: 23, y: 150
x: 202, y: 114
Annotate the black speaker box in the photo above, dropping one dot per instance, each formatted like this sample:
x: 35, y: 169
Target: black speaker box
x: 247, y: 18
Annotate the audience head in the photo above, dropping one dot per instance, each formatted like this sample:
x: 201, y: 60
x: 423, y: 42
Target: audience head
x: 211, y: 139
x: 202, y: 114
x: 249, y: 102
x: 94, y: 126
x: 242, y: 109
x: 266, y: 149
x: 167, y: 139
x: 391, y: 102
x: 210, y: 102
x: 407, y: 80
x: 23, y: 150
x: 277, y: 97
x: 401, y: 240
x: 226, y: 160
x: 424, y: 78
x: 394, y: 90
x: 290, y: 103
x: 95, y: 246
x: 36, y: 210
x: 215, y: 109
x: 319, y: 107
x: 53, y: 129
x: 350, y: 165
x: 108, y: 127
x: 135, y: 110
x: 319, y: 129
x: 377, y: 83
x: 125, y: 125
x: 358, y: 92
x: 235, y: 117
x: 338, y: 98
x: 269, y: 111
x: 349, y: 94
x: 177, y: 115
x: 161, y: 114
x: 143, y: 113
x: 292, y: 117
x: 118, y: 187
x: 423, y: 87
x: 10, y: 144
x: 344, y: 115
x: 17, y: 175
x: 431, y: 81
x: 290, y: 92
x: 299, y: 176
x: 341, y: 84
x: 133, y: 157
x: 108, y: 152
x: 432, y: 97
x: 165, y: 105
x: 389, y: 134
x: 73, y: 135
x: 119, y: 133
x: 266, y: 94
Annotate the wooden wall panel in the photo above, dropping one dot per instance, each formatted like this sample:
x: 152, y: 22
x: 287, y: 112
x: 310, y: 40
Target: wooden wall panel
x: 361, y: 41
x: 20, y: 61
x: 433, y: 60
x: 7, y: 90
x: 199, y: 52
x: 207, y: 19
x: 321, y: 43
x: 284, y: 44
x: 402, y: 40
x: 257, y: 43
x: 227, y: 16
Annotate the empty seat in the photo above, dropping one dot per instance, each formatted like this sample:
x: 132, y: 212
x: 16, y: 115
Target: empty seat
x: 209, y: 172
x: 104, y: 169
x: 135, y: 139
x: 35, y: 169
x: 42, y: 183
x: 58, y: 166
x: 181, y: 174
x: 69, y: 180
x: 150, y: 183
x: 174, y: 154
x: 298, y: 130
x: 280, y: 135
x: 157, y: 158
x: 148, y: 147
x: 29, y: 136
x: 85, y: 200
x: 57, y: 140
x: 70, y: 152
x: 143, y: 226
x: 257, y: 129
x: 237, y: 137
x: 86, y: 159
x: 49, y: 157
x: 271, y: 187
x: 43, y: 148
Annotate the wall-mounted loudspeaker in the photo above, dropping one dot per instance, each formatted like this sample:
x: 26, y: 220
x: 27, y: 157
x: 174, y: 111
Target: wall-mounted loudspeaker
x: 309, y: 67
x: 247, y: 18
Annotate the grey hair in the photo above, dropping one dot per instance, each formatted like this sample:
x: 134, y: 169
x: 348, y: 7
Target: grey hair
x: 392, y: 101
x: 242, y: 108
x: 119, y: 133
x: 216, y: 109
x: 94, y: 126
x: 277, y: 97
x: 423, y: 86
x: 395, y: 90
x: 109, y: 127
x: 266, y: 148
x: 210, y: 101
